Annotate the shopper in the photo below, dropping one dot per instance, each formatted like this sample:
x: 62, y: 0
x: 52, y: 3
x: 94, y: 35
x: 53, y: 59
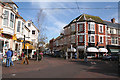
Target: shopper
x: 9, y: 54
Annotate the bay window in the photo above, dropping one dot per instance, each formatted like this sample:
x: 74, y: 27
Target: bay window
x: 91, y: 38
x: 11, y: 20
x: 91, y: 27
x: 81, y: 38
x: 80, y: 27
x: 5, y: 18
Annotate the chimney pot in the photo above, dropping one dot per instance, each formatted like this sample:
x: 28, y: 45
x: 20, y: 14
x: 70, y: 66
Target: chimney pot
x: 113, y: 20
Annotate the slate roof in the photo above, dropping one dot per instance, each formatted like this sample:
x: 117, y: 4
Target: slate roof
x: 86, y: 17
x: 112, y: 25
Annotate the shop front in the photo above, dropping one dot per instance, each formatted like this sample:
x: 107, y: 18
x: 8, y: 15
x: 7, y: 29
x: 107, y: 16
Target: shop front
x: 113, y: 49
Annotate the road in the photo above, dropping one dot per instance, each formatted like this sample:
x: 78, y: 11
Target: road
x: 51, y: 67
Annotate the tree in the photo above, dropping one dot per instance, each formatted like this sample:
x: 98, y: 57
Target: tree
x: 41, y: 36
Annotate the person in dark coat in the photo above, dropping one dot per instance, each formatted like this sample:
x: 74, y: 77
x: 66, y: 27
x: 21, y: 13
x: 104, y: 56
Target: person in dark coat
x: 9, y: 59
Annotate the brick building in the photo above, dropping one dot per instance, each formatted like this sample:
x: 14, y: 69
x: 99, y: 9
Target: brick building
x: 87, y: 34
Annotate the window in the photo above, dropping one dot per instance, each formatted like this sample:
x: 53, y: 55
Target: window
x: 18, y: 26
x: 15, y: 8
x: 22, y: 27
x: 116, y: 40
x: 101, y: 29
x: 80, y: 27
x: 91, y: 27
x: 73, y: 39
x: 29, y: 24
x: 113, y: 40
x: 33, y: 31
x: 101, y: 39
x: 73, y: 28
x: 81, y: 38
x: 91, y: 38
x: 12, y: 20
x: 5, y: 19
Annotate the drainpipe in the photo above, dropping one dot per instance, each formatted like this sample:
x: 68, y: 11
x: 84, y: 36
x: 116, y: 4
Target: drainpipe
x: 85, y: 54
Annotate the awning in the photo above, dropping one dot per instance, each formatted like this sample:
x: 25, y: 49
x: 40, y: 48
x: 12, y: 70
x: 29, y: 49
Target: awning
x: 71, y: 50
x: 92, y: 49
x: 29, y: 46
x: 103, y: 50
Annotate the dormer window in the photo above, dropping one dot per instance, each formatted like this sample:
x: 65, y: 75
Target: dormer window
x: 29, y: 24
x: 15, y: 8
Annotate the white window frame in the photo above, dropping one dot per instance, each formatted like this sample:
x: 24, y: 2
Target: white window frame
x: 91, y: 38
x: 102, y: 28
x: 13, y: 20
x: 102, y: 39
x: 91, y: 24
x: 8, y: 17
x: 20, y: 26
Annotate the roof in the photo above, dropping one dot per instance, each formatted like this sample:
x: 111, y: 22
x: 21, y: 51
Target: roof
x: 9, y: 1
x: 86, y: 17
x: 27, y: 28
x: 112, y: 25
x: 20, y: 17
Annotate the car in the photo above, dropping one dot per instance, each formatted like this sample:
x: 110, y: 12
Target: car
x: 112, y: 57
x: 58, y: 54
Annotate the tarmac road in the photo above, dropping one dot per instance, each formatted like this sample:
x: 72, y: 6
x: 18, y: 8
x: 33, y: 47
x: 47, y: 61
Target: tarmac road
x: 51, y: 67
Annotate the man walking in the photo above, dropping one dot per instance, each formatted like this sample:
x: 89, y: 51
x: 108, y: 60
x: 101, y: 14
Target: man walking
x: 9, y: 54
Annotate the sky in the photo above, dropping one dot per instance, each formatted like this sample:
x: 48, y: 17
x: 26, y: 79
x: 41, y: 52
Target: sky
x: 56, y: 19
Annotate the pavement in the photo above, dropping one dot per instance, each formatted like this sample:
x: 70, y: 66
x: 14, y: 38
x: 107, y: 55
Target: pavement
x: 51, y: 67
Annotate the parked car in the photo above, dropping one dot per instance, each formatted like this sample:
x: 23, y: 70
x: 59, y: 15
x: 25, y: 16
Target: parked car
x: 112, y: 57
x: 58, y: 54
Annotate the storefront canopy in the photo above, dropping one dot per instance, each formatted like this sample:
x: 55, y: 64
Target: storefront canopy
x: 29, y: 46
x: 103, y: 50
x: 92, y: 49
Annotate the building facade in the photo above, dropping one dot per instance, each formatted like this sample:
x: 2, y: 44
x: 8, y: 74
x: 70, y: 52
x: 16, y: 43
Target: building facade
x: 14, y: 27
x: 87, y: 34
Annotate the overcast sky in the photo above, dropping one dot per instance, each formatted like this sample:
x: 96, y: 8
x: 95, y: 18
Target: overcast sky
x: 56, y: 19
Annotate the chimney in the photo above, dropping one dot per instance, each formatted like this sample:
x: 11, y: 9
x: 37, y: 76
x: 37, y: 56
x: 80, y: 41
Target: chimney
x: 113, y: 20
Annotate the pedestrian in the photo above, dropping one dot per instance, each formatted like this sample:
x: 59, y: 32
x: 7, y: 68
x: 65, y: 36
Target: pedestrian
x: 75, y: 55
x: 22, y: 55
x: 9, y: 54
x: 15, y: 54
x: 35, y: 55
x: 12, y: 53
x: 85, y: 58
x: 41, y: 54
x: 25, y: 58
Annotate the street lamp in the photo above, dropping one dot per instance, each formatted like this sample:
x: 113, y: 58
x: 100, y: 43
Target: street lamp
x: 24, y: 44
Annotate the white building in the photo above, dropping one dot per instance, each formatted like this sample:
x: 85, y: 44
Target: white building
x: 33, y: 34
